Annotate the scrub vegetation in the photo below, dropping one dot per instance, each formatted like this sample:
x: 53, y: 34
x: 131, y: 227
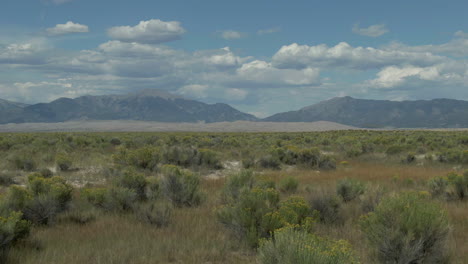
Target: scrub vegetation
x: 317, y: 197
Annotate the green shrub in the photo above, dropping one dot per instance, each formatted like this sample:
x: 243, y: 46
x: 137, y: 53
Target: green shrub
x: 349, y: 189
x: 156, y: 214
x: 12, y: 229
x: 371, y: 199
x: 250, y: 217
x: 118, y: 199
x: 291, y: 246
x: 288, y: 184
x: 95, y: 196
x: 46, y: 173
x: 248, y: 163
x: 6, y: 179
x: 41, y: 210
x: 327, y: 163
x: 394, y: 149
x: 134, y: 181
x: 294, y: 210
x: 235, y: 183
x: 63, y: 162
x: 55, y: 187
x: 181, y: 187
x: 438, y: 186
x: 328, y: 208
x: 115, y: 142
x: 408, y: 228
x: 269, y: 162
x: 180, y: 156
x: 209, y: 158
x: 410, y: 158
x: 24, y: 162
x: 153, y: 188
x: 141, y: 158
x: 309, y: 157
x: 459, y: 184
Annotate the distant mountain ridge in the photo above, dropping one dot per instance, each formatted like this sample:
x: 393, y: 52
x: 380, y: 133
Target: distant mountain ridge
x: 437, y: 113
x: 158, y: 106
x: 147, y: 105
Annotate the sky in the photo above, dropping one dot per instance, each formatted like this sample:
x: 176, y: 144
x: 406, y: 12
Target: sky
x: 262, y: 57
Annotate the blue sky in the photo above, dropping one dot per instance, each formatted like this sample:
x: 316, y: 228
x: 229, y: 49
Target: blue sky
x: 260, y: 56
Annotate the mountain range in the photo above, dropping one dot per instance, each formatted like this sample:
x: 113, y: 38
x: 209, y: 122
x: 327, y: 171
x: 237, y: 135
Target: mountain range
x: 154, y: 105
x: 147, y: 105
x: 437, y: 113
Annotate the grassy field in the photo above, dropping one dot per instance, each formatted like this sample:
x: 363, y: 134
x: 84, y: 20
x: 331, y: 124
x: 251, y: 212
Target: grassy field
x: 387, y: 164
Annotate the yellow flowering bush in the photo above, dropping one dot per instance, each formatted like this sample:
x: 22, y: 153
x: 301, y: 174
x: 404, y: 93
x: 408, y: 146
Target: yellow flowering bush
x: 295, y: 246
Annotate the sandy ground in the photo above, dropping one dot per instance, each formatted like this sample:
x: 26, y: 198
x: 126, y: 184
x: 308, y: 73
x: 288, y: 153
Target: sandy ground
x: 143, y: 126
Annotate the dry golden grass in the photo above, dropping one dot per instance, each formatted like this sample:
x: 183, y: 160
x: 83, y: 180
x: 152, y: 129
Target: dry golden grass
x: 195, y: 236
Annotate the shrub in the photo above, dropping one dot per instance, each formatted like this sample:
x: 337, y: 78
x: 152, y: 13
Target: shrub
x: 248, y: 163
x: 250, y: 217
x: 132, y: 180
x: 63, y: 162
x: 142, y: 158
x: 294, y: 210
x: 55, y: 187
x: 153, y: 188
x: 119, y: 199
x: 349, y: 189
x: 6, y: 179
x: 394, y: 149
x: 328, y: 207
x: 269, y: 162
x: 209, y: 159
x: 459, y: 184
x: 309, y: 157
x: 158, y: 215
x: 291, y: 246
x: 12, y: 229
x: 24, y: 162
x: 327, y: 163
x: 288, y: 184
x: 181, y: 187
x: 438, y: 186
x: 46, y: 173
x: 179, y: 156
x: 115, y: 142
x: 95, y: 196
x: 408, y: 228
x: 235, y: 183
x: 41, y: 210
x: 371, y: 199
x: 410, y: 158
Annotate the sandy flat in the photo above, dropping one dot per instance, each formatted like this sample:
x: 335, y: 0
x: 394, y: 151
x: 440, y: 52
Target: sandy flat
x: 143, y: 126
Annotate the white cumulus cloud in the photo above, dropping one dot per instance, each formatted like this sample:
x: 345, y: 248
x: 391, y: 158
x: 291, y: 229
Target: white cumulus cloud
x: 231, y: 34
x: 344, y: 55
x: 259, y: 71
x: 371, y: 31
x: 461, y: 34
x: 67, y: 28
x: 153, y: 31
